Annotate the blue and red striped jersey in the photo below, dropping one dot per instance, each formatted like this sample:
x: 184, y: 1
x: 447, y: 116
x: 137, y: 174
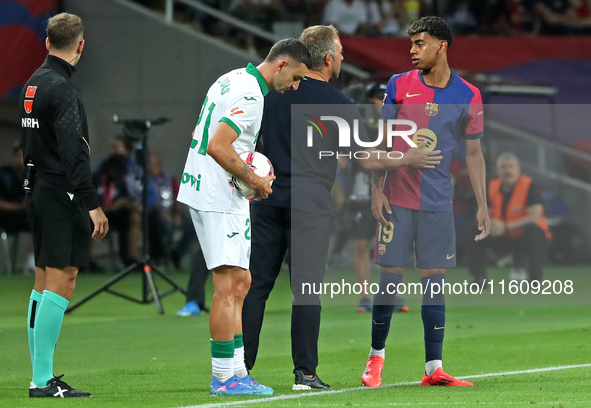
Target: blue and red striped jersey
x: 443, y: 117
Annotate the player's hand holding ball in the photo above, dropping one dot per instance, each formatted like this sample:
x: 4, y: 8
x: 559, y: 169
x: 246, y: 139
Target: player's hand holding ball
x: 423, y: 159
x: 259, y: 183
x: 261, y: 188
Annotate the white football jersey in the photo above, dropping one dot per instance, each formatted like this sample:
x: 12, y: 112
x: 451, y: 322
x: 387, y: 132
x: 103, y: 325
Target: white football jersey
x: 236, y: 98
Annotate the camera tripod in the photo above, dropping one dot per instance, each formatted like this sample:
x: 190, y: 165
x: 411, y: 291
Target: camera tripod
x: 138, y: 129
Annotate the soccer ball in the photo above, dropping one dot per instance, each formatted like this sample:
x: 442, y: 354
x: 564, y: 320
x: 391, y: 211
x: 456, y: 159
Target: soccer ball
x: 258, y: 163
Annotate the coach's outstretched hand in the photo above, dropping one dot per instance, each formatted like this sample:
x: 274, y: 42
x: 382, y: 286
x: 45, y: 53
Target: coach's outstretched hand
x: 261, y: 188
x: 101, y: 223
x: 421, y: 159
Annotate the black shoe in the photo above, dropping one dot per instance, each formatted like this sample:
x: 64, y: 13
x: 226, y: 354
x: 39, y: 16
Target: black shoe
x: 303, y: 383
x: 56, y: 388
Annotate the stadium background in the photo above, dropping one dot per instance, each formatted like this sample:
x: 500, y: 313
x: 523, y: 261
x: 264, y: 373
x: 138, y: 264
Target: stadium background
x: 141, y: 62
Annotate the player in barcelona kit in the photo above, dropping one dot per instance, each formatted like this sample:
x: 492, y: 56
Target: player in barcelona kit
x: 229, y: 124
x: 414, y: 206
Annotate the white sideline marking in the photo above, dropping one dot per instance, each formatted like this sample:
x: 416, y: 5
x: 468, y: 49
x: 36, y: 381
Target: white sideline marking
x: 316, y: 393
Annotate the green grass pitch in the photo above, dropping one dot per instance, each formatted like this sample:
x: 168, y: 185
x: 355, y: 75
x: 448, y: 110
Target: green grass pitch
x: 129, y: 356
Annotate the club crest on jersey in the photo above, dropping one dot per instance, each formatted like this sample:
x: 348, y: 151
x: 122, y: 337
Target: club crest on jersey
x: 236, y: 111
x: 382, y: 249
x: 431, y: 109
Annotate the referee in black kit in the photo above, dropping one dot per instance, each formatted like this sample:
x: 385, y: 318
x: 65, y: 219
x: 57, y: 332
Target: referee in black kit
x: 297, y: 217
x: 57, y: 155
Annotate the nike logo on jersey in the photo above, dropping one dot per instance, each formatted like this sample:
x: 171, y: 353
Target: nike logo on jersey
x: 250, y: 98
x: 70, y: 195
x: 232, y: 235
x: 448, y: 257
x: 411, y: 96
x: 439, y: 328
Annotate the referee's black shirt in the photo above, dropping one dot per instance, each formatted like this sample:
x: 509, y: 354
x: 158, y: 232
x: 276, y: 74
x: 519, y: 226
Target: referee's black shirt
x: 303, y: 180
x: 55, y: 132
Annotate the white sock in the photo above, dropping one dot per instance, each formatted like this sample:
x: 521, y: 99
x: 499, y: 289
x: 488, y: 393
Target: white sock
x: 373, y: 352
x: 238, y: 362
x: 222, y: 368
x: 431, y: 366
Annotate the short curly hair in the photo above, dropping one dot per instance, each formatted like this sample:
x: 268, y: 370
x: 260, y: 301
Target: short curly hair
x: 435, y: 26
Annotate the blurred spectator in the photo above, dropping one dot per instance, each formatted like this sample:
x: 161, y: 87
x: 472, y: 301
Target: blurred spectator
x: 413, y: 10
x: 462, y: 20
x: 296, y: 10
x: 505, y: 17
x: 348, y: 16
x: 518, y: 224
x: 13, y: 214
x: 521, y: 17
x: 164, y: 213
x: 373, y: 25
x: 115, y: 181
x: 258, y: 12
x: 573, y: 18
x: 394, y: 17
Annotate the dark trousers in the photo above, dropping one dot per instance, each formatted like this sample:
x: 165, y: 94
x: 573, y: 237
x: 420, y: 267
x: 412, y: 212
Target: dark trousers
x: 529, y: 249
x: 306, y: 236
x: 160, y: 234
x: 120, y: 220
x: 199, y: 273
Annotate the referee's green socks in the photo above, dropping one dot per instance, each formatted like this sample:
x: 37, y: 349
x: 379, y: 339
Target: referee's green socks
x: 48, y: 323
x: 33, y: 307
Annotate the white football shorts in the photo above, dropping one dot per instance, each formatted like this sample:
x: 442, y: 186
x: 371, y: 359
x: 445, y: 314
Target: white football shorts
x: 224, y: 238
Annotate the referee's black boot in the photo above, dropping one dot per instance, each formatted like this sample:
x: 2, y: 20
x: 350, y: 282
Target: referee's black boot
x: 56, y: 388
x: 303, y: 383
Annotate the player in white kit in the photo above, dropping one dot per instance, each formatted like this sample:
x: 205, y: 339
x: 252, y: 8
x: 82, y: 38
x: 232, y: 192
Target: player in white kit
x: 229, y: 124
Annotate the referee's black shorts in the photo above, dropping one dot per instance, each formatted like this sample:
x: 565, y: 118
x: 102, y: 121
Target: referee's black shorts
x: 61, y: 227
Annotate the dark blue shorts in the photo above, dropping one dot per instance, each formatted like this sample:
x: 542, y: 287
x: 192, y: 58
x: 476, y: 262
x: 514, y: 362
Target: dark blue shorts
x: 432, y: 234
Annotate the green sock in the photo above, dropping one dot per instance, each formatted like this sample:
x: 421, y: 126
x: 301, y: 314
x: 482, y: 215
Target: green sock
x: 222, y: 355
x: 33, y: 307
x: 48, y: 324
x: 238, y: 341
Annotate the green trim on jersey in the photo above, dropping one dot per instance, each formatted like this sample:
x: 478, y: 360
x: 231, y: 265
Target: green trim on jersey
x: 232, y: 125
x: 252, y: 70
